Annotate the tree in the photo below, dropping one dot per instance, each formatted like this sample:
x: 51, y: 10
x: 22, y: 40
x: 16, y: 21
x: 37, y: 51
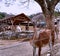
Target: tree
x: 48, y: 7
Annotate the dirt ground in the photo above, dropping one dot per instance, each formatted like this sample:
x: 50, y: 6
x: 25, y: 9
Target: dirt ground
x: 18, y: 48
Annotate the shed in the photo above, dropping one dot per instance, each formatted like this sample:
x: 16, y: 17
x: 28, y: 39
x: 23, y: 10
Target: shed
x: 15, y: 20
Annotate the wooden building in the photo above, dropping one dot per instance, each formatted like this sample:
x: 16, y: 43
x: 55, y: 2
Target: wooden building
x: 16, y: 20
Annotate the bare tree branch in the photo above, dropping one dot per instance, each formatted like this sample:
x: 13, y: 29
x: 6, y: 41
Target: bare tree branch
x: 50, y: 5
x: 48, y: 2
x: 26, y: 2
x: 43, y: 6
x: 54, y: 2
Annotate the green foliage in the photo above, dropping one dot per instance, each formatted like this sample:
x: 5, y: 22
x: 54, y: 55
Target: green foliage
x: 31, y: 16
x: 57, y: 13
x: 2, y: 15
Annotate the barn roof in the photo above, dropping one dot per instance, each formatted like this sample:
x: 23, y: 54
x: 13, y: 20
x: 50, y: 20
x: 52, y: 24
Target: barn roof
x: 18, y: 18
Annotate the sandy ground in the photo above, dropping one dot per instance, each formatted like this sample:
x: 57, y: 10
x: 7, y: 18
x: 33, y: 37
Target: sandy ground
x: 25, y: 49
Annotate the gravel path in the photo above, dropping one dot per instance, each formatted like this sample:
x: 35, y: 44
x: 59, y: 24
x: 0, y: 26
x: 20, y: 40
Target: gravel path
x: 25, y: 49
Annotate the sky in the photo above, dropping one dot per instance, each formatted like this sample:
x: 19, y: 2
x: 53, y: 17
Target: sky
x: 16, y: 7
x: 57, y: 7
